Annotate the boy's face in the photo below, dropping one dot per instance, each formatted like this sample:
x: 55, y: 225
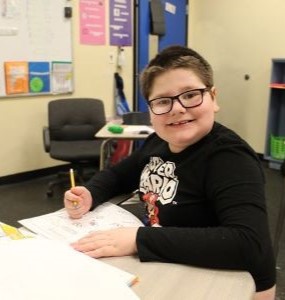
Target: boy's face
x: 181, y: 126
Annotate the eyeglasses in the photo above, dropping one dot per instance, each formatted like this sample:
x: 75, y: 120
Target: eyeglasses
x: 188, y: 99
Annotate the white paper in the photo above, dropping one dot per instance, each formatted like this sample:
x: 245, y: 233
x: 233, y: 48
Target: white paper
x: 39, y: 269
x: 59, y: 226
x: 62, y: 80
x: 171, y: 8
x: 138, y: 129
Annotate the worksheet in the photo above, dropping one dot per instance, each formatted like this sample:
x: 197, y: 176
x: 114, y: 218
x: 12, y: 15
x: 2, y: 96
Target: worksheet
x: 59, y: 226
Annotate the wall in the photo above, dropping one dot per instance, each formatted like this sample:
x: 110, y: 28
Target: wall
x: 238, y: 38
x: 22, y: 119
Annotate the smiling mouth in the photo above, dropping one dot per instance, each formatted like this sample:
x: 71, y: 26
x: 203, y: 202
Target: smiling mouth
x: 180, y: 123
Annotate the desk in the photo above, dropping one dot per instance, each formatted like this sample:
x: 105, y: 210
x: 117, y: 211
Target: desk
x: 163, y: 281
x: 108, y: 136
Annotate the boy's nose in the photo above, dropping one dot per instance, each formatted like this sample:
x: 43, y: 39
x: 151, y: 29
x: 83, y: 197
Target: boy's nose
x: 177, y: 106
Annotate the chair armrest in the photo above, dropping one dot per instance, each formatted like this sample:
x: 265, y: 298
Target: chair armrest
x: 46, y: 138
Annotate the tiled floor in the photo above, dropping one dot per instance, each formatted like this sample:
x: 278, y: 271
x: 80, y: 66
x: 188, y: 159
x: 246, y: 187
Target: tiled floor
x: 28, y: 199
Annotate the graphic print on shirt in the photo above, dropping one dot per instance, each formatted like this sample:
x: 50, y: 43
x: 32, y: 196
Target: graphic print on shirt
x: 158, y: 183
x: 152, y: 210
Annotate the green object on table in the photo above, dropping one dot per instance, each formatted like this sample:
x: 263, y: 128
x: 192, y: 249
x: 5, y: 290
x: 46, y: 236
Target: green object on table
x: 115, y: 128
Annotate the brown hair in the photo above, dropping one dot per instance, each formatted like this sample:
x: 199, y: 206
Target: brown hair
x: 175, y: 57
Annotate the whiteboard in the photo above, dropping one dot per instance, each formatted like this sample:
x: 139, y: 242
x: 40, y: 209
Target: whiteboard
x: 36, y: 31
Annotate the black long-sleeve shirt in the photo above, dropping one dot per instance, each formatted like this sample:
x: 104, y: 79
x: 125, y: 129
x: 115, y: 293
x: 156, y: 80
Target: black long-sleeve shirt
x: 209, y: 200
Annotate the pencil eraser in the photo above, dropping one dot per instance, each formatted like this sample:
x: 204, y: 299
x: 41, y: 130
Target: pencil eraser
x: 116, y: 129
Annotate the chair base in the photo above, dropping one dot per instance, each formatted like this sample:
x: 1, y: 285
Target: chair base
x: 62, y: 177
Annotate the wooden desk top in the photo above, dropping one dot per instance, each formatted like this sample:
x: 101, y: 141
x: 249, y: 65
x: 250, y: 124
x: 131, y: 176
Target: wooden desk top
x: 163, y: 281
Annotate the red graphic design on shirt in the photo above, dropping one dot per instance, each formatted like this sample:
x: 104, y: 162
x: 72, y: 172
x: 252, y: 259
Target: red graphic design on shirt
x: 150, y: 199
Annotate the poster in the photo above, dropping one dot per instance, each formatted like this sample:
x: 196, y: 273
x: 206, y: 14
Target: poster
x: 16, y: 77
x: 92, y: 22
x: 39, y: 77
x: 120, y: 22
x: 62, y: 77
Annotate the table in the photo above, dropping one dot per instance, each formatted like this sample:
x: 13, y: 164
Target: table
x: 108, y: 137
x: 163, y: 281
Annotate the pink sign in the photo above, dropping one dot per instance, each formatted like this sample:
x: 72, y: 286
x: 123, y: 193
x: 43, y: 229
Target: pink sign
x: 92, y: 22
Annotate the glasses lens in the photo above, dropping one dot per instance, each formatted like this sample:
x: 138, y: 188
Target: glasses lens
x: 161, y: 105
x: 191, y: 98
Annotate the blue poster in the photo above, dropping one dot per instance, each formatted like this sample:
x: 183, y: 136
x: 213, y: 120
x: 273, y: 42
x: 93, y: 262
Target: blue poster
x: 39, y: 77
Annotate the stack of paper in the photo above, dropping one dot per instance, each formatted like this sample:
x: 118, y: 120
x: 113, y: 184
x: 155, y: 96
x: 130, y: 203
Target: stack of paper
x: 41, y: 269
x: 48, y: 268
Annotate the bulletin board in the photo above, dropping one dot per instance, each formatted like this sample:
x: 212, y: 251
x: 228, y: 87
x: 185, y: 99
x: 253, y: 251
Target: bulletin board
x: 35, y: 47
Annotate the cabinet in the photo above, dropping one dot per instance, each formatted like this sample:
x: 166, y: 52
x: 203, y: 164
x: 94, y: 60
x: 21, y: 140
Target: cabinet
x: 275, y: 133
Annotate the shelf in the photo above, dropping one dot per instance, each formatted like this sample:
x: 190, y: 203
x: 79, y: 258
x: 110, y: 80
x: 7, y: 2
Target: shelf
x: 276, y: 111
x: 270, y: 158
x: 277, y: 85
x: 273, y: 163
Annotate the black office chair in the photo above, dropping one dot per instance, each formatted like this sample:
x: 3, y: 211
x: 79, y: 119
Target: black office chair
x: 70, y: 135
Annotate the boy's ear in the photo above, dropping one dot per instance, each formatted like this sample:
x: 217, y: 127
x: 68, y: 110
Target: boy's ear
x: 213, y: 93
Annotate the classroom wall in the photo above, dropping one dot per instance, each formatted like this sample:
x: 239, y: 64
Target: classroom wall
x: 22, y: 118
x: 239, y: 38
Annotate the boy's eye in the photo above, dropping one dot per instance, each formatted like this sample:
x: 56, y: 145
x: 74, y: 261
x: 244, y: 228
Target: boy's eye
x: 163, y: 101
x: 189, y: 95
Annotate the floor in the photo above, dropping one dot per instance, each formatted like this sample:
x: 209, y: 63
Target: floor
x: 28, y: 199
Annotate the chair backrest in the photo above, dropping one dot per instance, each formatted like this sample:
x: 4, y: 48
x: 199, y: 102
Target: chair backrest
x: 136, y: 118
x: 75, y: 118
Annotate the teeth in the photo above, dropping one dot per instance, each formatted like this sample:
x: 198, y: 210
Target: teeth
x: 183, y: 122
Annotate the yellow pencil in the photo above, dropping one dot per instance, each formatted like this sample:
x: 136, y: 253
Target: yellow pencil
x: 72, y: 182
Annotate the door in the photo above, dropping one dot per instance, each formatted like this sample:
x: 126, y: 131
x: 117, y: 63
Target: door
x: 175, y: 16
